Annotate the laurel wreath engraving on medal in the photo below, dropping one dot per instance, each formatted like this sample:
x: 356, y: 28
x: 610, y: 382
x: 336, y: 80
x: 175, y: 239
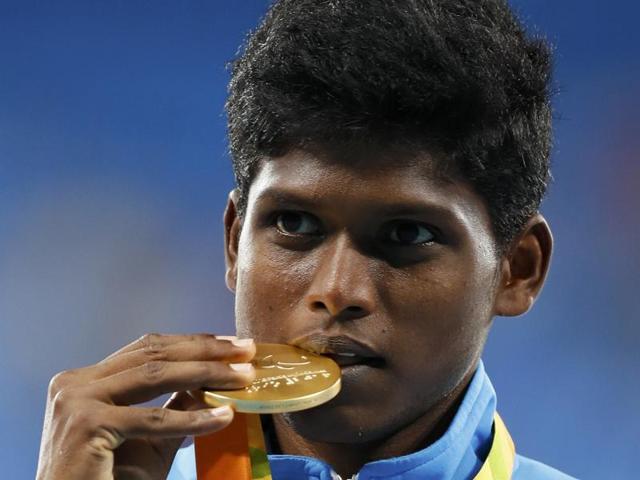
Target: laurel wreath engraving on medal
x: 288, y: 379
x: 285, y: 379
x: 267, y: 362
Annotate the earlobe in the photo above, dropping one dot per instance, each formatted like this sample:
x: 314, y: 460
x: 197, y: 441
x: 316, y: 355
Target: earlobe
x: 232, y: 227
x: 524, y: 268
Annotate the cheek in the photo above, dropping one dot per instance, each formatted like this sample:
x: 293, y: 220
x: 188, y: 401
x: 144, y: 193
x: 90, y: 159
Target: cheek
x: 441, y: 317
x: 271, y: 283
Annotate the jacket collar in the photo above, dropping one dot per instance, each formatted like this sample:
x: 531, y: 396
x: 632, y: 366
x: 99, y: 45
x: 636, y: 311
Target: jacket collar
x: 458, y: 454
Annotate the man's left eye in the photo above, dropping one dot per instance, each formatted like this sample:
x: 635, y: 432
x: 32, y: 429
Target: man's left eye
x: 410, y: 233
x: 297, y: 223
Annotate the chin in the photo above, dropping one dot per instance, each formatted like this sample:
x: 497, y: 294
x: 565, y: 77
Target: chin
x: 335, y: 423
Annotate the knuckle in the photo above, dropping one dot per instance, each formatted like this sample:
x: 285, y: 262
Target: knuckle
x: 205, y: 347
x: 65, y: 400
x: 82, y: 417
x: 205, y: 373
x: 196, y: 339
x: 193, y: 417
x: 85, y: 417
x: 150, y: 341
x: 157, y: 416
x: 154, y: 370
x: 59, y: 382
x: 155, y: 352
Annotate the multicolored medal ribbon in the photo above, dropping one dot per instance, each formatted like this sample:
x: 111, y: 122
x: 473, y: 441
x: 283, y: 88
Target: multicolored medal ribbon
x: 501, y: 458
x: 288, y: 379
x: 237, y: 451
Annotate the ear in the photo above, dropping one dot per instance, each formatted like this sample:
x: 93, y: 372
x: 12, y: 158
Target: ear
x: 232, y: 227
x: 524, y: 268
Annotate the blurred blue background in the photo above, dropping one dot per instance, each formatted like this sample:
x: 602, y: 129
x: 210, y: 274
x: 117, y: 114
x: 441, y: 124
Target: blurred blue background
x: 114, y: 175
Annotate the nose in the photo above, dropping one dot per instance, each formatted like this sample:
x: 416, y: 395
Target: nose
x: 342, y: 285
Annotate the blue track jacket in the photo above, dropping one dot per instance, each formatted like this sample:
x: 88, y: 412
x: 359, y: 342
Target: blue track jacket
x: 457, y: 455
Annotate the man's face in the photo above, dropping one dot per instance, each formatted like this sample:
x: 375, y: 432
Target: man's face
x: 383, y: 254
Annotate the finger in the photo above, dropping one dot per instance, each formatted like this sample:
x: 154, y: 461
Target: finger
x: 191, y: 348
x: 137, y: 422
x: 167, y: 348
x: 154, y: 340
x: 156, y: 378
x: 164, y: 448
x: 184, y: 401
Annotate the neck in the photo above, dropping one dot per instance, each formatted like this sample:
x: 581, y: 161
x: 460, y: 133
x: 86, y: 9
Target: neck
x: 347, y: 460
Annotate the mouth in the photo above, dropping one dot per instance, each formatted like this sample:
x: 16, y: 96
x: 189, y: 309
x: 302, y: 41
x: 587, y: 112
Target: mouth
x: 349, y: 359
x: 344, y: 350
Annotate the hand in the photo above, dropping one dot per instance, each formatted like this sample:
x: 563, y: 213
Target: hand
x: 91, y: 431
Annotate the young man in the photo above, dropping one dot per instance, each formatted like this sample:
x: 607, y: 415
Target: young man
x: 390, y: 158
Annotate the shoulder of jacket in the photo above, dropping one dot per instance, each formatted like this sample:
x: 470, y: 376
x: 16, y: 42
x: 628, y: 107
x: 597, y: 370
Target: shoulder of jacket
x: 528, y: 469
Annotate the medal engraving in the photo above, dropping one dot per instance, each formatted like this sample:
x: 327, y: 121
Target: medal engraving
x: 287, y: 379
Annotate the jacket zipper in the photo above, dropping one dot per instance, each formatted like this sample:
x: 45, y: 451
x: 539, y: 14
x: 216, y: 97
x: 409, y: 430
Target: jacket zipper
x: 335, y: 476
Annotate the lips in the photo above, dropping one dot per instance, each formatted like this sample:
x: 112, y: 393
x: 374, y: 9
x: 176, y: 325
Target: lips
x: 344, y: 350
x: 348, y: 360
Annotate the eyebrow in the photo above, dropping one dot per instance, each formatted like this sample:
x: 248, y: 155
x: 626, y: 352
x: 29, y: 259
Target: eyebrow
x: 284, y: 198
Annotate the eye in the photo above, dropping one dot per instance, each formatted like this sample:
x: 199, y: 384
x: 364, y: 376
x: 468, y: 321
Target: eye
x: 297, y: 223
x: 410, y: 233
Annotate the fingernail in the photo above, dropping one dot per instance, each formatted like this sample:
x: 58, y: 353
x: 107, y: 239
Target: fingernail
x: 223, y: 411
x: 242, y: 342
x: 230, y: 338
x: 241, y: 367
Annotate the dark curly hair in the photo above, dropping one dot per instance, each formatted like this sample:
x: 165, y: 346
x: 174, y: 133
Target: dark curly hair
x: 460, y: 77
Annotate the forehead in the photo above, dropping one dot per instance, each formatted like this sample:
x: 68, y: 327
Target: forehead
x: 382, y: 182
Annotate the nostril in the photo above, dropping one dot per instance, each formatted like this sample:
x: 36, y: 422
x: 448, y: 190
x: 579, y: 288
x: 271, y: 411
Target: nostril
x: 349, y: 311
x: 318, y: 306
x: 353, y: 312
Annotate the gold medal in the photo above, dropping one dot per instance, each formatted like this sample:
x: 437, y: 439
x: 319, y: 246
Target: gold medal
x: 288, y: 379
